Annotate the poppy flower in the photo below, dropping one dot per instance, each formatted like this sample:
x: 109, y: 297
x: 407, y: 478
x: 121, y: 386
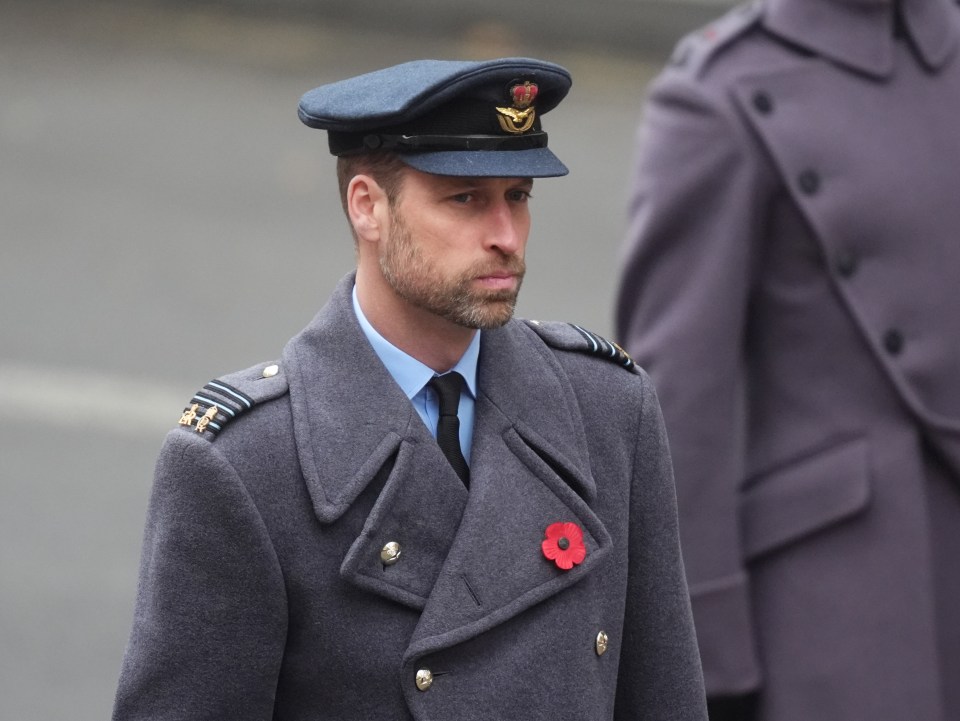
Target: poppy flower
x: 564, y: 545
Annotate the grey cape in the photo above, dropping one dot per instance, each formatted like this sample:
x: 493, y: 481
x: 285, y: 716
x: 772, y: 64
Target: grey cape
x: 263, y: 594
x: 792, y: 284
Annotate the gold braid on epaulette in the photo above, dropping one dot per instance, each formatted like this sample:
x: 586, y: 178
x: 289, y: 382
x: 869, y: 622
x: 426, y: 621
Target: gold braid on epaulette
x: 213, y: 406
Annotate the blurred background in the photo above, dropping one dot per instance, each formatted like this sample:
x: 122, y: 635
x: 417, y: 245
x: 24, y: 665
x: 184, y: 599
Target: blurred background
x: 165, y: 218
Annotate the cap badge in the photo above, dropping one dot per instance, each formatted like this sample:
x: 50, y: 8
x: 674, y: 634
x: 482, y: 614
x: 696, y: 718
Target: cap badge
x: 519, y: 118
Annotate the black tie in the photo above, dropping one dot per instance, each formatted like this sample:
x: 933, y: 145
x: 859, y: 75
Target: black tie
x: 448, y: 387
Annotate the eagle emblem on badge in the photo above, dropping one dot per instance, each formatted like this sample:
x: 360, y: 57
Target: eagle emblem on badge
x: 520, y: 117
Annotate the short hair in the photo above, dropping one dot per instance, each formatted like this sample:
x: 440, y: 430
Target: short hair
x: 384, y: 166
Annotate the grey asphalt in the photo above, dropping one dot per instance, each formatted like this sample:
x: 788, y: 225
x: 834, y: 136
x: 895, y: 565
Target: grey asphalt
x: 165, y: 218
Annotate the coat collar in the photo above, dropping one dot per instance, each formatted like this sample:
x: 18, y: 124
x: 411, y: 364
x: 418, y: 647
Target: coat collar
x: 859, y: 33
x: 350, y: 416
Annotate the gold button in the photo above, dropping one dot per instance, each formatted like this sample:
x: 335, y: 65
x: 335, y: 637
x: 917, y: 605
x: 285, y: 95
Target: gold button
x: 270, y: 371
x: 390, y: 553
x: 603, y: 641
x: 424, y: 679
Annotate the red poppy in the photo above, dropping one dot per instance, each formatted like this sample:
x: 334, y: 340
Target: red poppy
x: 564, y: 545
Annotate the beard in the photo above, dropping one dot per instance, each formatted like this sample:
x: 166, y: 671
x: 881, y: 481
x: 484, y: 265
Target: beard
x: 423, y: 284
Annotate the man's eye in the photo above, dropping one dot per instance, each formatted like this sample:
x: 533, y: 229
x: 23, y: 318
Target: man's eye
x: 520, y: 195
x: 462, y: 198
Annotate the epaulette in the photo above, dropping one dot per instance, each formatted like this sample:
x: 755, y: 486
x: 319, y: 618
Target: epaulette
x: 568, y: 336
x: 694, y: 51
x: 223, y: 400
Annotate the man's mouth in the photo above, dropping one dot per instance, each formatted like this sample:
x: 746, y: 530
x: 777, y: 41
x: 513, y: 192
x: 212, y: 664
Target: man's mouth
x: 498, y: 281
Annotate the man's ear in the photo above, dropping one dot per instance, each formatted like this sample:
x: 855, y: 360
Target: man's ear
x: 367, y: 207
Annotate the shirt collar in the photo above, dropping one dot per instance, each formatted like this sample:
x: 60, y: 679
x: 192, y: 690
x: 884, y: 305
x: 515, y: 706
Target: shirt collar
x: 409, y: 373
x: 859, y: 33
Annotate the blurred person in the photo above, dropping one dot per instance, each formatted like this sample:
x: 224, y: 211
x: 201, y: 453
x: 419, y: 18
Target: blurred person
x: 424, y: 509
x: 791, y: 284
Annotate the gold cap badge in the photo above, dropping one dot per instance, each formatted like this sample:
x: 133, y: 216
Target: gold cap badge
x: 520, y: 117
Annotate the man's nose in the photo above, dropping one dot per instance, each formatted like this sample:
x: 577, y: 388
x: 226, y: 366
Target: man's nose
x: 506, y: 231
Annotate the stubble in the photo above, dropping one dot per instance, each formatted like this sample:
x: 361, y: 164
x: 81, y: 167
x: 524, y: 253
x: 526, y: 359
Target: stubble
x: 423, y: 284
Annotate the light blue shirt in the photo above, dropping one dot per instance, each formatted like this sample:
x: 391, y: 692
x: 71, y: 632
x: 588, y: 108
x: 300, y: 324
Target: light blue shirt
x: 412, y: 376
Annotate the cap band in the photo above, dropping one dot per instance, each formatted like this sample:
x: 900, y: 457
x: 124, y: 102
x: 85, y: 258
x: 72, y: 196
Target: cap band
x: 403, y: 143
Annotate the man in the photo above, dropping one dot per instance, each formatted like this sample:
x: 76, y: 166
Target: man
x: 313, y: 552
x: 791, y: 284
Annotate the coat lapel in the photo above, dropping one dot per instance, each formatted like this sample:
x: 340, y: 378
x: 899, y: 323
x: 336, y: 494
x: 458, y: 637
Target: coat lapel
x: 353, y: 425
x: 522, y: 480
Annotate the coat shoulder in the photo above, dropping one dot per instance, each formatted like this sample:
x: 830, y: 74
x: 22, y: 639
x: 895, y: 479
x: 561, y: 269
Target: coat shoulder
x: 572, y: 337
x: 697, y: 51
x: 224, y: 400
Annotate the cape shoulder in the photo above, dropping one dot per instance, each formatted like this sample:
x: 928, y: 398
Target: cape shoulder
x: 571, y: 337
x: 695, y: 51
x: 223, y: 400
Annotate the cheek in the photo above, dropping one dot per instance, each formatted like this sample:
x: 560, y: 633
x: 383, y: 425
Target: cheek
x: 521, y: 215
x: 522, y: 226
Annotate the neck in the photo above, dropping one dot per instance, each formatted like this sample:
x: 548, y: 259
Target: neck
x: 434, y: 341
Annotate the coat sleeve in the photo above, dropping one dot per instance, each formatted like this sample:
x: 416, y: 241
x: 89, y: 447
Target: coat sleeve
x: 660, y: 677
x: 682, y: 313
x: 210, y: 620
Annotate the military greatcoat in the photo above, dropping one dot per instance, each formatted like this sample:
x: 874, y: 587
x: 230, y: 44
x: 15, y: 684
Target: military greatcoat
x: 266, y: 590
x: 792, y: 284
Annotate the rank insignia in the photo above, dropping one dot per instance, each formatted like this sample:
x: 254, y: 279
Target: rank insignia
x: 520, y: 117
x: 189, y: 415
x: 567, y: 336
x: 213, y: 406
x: 208, y: 417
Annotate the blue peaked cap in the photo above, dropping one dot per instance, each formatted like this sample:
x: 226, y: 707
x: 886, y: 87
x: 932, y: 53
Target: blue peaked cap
x: 447, y: 117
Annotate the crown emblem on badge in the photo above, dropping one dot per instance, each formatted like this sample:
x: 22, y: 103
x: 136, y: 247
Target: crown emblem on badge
x: 520, y: 117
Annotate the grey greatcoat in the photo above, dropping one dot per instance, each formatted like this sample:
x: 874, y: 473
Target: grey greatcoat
x: 792, y: 284
x: 262, y: 590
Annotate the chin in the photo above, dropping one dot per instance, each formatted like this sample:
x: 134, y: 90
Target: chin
x: 491, y: 317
